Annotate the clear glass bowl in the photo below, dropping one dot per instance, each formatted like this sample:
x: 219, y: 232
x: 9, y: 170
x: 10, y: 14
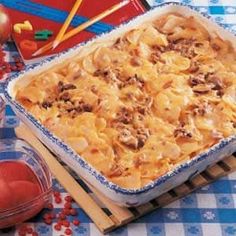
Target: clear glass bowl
x: 19, y: 150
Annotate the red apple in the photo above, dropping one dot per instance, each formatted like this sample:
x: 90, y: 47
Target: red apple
x: 5, y: 25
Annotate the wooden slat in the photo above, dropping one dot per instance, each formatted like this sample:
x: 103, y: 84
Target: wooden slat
x: 182, y: 189
x: 215, y: 171
x: 143, y: 209
x: 164, y: 199
x: 103, y: 222
x: 122, y: 214
x: 230, y: 162
x: 198, y: 180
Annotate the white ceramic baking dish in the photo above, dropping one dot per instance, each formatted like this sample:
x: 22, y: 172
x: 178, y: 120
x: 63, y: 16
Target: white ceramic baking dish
x: 121, y: 196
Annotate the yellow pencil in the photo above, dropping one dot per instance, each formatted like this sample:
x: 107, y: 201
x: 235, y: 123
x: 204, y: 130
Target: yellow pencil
x: 83, y: 26
x: 66, y: 24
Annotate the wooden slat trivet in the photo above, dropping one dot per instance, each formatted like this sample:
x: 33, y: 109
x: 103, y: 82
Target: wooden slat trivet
x: 117, y: 216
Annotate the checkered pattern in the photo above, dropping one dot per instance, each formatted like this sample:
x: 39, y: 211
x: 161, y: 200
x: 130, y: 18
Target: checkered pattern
x: 209, y: 211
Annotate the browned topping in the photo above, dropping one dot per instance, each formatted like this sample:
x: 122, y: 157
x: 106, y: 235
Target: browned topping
x: 202, y: 109
x: 109, y: 76
x: 134, y: 80
x: 184, y: 46
x: 144, y: 105
x: 167, y: 84
x: 134, y: 138
x: 69, y: 86
x: 65, y: 97
x: 62, y: 87
x: 215, y: 47
x: 94, y: 150
x: 94, y: 89
x: 139, y: 160
x: 194, y: 67
x: 196, y: 79
x: 136, y: 61
x: 81, y: 106
x: 142, y: 136
x: 216, y: 81
x: 155, y: 57
x: 181, y: 132
x: 202, y: 89
x: 128, y: 139
x: 46, y: 104
x: 118, y: 43
x: 115, y: 171
x: 124, y: 116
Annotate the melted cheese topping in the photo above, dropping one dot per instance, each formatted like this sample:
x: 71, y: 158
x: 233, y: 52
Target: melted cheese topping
x: 158, y: 96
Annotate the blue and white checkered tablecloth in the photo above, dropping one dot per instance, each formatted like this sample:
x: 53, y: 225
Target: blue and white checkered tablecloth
x: 210, y: 211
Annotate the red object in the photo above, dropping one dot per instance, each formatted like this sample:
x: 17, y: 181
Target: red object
x: 5, y: 25
x: 67, y: 205
x: 15, y: 170
x: 73, y: 212
x: 48, y: 221
x: 129, y: 11
x: 68, y: 231
x: 29, y: 231
x: 66, y: 223
x: 57, y: 227
x: 68, y: 198
x: 62, y: 216
x: 50, y: 206
x: 58, y: 200
x: 28, y: 45
x: 76, y: 222
x: 56, y: 194
x: 35, y: 234
x: 24, y: 191
x: 7, y: 198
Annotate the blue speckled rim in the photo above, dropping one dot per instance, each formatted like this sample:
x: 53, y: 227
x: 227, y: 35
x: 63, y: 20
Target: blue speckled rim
x: 102, y: 179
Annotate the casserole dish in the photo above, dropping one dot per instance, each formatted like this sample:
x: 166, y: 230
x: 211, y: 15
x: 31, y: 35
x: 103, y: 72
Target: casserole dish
x: 123, y: 196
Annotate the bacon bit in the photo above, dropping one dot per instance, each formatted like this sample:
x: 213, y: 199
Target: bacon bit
x: 65, y: 97
x: 216, y: 81
x: 115, y: 171
x: 167, y: 84
x: 139, y: 160
x: 215, y: 47
x: 142, y: 136
x: 181, y: 132
x: 194, y: 67
x: 124, y: 115
x: 136, y: 61
x: 202, y: 109
x: 196, y: 80
x: 94, y: 150
x: 46, y: 104
x: 128, y: 139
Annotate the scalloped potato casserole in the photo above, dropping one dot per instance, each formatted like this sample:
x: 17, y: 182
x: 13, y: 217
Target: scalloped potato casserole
x: 143, y: 103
